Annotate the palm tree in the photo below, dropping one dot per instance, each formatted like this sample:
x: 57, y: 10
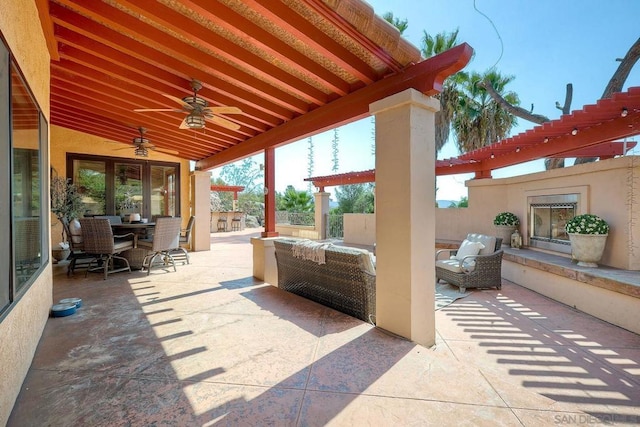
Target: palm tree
x: 435, y: 45
x: 296, y: 201
x: 400, y: 24
x: 479, y: 119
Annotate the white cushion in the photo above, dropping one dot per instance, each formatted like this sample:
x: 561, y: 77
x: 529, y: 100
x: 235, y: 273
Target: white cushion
x: 454, y: 265
x: 76, y: 231
x: 489, y: 243
x: 468, y: 248
x: 450, y: 264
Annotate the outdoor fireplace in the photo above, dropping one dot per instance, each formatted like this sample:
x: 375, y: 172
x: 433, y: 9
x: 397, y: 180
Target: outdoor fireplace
x: 548, y: 216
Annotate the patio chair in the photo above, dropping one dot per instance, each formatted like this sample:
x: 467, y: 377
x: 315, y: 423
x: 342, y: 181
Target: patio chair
x: 78, y: 257
x: 113, y: 219
x: 166, y: 238
x: 181, y: 252
x: 236, y: 222
x: 100, y: 242
x: 222, y: 221
x: 476, y: 264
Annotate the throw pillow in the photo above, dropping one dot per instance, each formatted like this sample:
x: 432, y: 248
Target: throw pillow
x: 468, y: 248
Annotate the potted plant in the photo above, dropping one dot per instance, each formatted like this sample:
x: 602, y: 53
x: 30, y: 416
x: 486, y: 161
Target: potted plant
x: 66, y: 205
x: 588, y: 235
x: 506, y: 223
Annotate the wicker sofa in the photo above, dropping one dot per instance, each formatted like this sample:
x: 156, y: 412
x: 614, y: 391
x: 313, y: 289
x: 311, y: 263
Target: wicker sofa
x: 345, y: 282
x: 483, y: 270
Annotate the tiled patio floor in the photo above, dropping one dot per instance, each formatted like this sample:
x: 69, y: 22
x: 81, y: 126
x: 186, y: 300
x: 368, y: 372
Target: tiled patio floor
x: 209, y: 345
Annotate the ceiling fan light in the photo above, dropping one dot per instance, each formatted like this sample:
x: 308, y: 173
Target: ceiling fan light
x: 195, y: 101
x: 141, y: 152
x: 195, y: 121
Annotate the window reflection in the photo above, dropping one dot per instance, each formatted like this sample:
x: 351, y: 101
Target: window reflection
x: 90, y: 178
x: 26, y: 182
x: 115, y: 186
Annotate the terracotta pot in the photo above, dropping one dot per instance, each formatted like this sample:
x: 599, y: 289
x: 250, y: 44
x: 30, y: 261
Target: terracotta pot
x: 587, y: 249
x: 505, y: 231
x: 60, y: 254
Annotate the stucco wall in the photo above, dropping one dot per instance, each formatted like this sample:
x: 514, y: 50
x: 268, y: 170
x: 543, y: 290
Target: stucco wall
x: 607, y: 189
x: 65, y: 141
x: 21, y: 328
x: 359, y: 229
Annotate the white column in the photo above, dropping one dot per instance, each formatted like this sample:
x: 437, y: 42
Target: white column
x: 321, y: 212
x: 201, y: 208
x: 405, y: 215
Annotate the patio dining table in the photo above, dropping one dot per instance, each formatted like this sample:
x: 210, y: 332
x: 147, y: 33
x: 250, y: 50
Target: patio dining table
x: 141, y: 230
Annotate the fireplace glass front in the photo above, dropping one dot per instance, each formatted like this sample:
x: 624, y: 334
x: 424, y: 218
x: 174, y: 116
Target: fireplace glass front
x: 548, y: 216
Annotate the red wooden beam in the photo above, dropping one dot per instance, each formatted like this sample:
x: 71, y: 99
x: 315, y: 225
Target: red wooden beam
x: 247, y: 30
x: 426, y: 77
x: 164, y: 42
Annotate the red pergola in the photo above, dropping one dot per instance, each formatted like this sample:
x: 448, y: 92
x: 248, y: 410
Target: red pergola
x: 594, y: 131
x: 235, y: 189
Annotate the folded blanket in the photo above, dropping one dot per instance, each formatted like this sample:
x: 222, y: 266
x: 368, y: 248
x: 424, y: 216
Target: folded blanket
x: 310, y: 250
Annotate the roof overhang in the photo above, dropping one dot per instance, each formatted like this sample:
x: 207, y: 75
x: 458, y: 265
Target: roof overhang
x: 294, y: 68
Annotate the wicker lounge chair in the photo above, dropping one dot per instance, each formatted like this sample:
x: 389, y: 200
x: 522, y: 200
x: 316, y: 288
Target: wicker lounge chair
x: 474, y: 271
x: 98, y: 240
x: 346, y: 282
x: 166, y: 237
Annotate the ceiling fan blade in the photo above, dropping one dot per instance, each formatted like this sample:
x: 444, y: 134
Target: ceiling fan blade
x: 183, y: 124
x: 165, y: 150
x: 224, y: 110
x: 179, y: 101
x: 128, y: 147
x: 142, y: 110
x: 224, y: 122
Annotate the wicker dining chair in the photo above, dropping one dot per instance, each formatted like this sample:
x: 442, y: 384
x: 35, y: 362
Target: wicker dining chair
x: 166, y: 238
x: 78, y: 258
x: 99, y: 241
x: 181, y: 253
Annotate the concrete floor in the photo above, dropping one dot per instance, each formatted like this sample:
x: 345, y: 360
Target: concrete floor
x: 209, y: 345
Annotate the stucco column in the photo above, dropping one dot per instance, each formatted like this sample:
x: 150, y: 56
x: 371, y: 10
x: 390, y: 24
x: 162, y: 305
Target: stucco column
x: 321, y: 211
x: 405, y: 215
x: 270, y: 193
x: 201, y: 208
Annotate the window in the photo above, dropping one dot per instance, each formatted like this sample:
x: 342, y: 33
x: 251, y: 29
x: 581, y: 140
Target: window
x: 116, y: 186
x: 23, y: 199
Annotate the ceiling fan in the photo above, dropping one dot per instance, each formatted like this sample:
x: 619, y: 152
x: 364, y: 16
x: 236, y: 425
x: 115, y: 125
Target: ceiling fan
x: 141, y: 145
x: 198, y: 110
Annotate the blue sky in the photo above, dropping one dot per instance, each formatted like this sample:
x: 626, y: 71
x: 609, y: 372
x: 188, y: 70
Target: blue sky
x: 546, y: 44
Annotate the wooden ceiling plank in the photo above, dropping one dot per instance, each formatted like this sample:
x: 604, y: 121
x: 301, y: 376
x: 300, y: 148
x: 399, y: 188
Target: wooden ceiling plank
x: 163, y: 42
x: 107, y: 110
x: 88, y: 118
x: 114, y: 70
x: 144, y: 84
x: 426, y: 77
x: 226, y: 49
x: 109, y: 54
x: 226, y: 93
x: 72, y: 70
x: 103, y: 134
x: 284, y: 17
x: 247, y: 30
x: 321, y: 8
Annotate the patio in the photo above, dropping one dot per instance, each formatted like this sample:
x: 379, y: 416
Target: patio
x: 209, y: 345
